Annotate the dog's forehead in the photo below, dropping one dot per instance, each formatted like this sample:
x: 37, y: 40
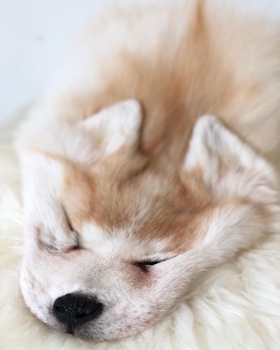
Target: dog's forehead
x: 111, y: 196
x: 118, y: 203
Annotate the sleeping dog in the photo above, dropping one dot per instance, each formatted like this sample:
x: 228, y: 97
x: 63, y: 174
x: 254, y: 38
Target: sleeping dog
x: 150, y: 161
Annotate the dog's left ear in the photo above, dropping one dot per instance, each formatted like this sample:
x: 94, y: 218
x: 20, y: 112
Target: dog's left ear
x: 226, y: 165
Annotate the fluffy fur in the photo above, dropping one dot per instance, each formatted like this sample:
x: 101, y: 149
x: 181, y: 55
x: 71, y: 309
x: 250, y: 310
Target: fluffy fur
x: 122, y: 163
x: 236, y: 306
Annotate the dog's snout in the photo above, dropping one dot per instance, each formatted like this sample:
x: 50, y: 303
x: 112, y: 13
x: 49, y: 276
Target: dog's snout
x: 74, y: 310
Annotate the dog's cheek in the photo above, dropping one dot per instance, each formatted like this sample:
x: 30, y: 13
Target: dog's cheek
x: 139, y: 279
x: 132, y: 296
x: 34, y: 292
x: 137, y: 314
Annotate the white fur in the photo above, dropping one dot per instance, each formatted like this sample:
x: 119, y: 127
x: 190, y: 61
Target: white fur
x: 119, y: 124
x: 121, y: 242
x: 86, y: 141
x: 231, y: 170
x: 236, y: 307
x: 48, y: 272
x: 104, y: 267
x: 229, y: 166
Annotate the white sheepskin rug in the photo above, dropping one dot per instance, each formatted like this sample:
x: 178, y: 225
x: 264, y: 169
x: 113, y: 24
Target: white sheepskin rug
x: 236, y: 306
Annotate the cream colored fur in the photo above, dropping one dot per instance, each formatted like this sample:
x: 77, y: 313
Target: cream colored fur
x: 79, y: 155
x: 236, y: 307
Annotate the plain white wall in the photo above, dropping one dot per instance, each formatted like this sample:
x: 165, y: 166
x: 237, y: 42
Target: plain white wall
x: 36, y: 34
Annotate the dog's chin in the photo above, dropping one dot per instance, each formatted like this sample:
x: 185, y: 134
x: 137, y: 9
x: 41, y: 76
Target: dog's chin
x: 105, y: 329
x: 96, y: 334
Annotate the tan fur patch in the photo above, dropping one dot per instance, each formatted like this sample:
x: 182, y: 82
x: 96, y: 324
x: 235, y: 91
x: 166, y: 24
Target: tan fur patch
x: 176, y: 84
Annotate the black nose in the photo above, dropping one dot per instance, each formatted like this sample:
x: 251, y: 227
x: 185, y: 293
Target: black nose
x: 75, y: 309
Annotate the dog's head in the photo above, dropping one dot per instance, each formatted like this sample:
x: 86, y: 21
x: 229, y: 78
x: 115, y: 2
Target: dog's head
x: 111, y: 240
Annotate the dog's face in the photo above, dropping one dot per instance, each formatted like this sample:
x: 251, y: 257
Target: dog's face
x: 111, y: 242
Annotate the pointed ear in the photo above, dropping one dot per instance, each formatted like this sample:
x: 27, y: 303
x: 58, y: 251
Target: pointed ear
x: 39, y: 143
x: 226, y: 165
x: 113, y: 128
x: 117, y: 126
x: 46, y: 224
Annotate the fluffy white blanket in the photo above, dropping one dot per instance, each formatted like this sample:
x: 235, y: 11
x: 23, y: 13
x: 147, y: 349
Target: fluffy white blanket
x: 236, y: 306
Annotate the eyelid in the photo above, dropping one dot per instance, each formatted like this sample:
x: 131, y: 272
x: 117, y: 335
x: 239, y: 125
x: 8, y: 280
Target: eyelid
x: 151, y: 262
x: 71, y: 249
x: 68, y: 220
x: 146, y: 264
x: 77, y: 245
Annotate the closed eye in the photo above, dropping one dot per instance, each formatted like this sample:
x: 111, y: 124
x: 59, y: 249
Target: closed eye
x: 68, y: 220
x: 77, y: 245
x: 71, y: 249
x: 145, y: 264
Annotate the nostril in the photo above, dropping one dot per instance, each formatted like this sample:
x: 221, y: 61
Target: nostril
x: 75, y: 309
x: 84, y: 313
x: 59, y: 309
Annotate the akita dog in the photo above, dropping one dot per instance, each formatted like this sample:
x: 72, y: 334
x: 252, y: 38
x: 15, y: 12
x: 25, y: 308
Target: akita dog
x: 151, y: 160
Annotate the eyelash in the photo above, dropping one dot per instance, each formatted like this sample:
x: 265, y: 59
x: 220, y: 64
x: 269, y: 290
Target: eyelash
x: 77, y: 246
x: 71, y: 249
x: 145, y: 264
